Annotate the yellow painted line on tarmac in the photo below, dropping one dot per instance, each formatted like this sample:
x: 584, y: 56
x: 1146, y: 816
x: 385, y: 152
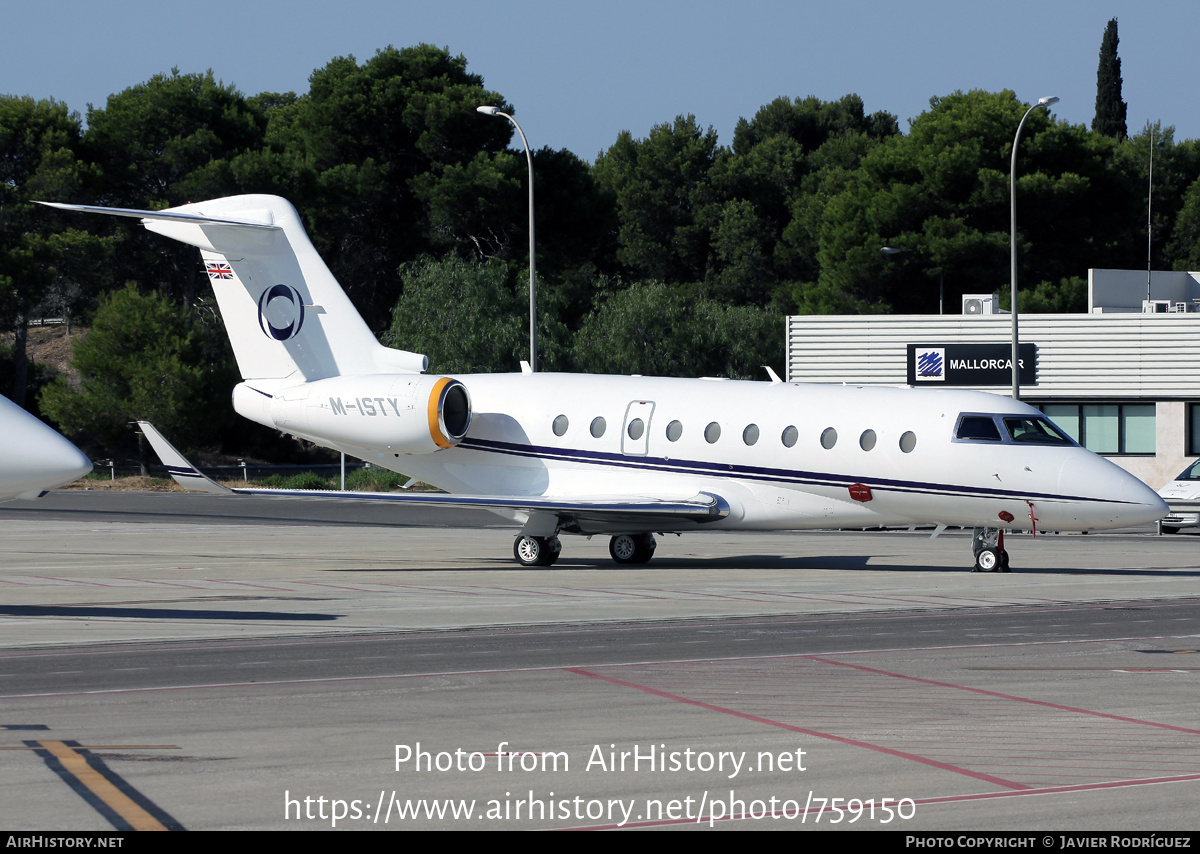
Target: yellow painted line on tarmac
x: 99, y: 786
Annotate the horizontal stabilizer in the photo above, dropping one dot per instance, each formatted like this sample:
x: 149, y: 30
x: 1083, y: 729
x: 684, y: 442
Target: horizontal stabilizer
x: 255, y: 219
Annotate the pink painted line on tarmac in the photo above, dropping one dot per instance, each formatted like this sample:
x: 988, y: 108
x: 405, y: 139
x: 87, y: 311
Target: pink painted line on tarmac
x: 1000, y: 696
x: 698, y: 594
x: 74, y: 581
x: 454, y: 590
x: 847, y: 600
x: 945, y: 766
x: 616, y: 593
x: 946, y: 799
x: 165, y: 583
x: 248, y: 584
x: 337, y: 586
x: 526, y: 591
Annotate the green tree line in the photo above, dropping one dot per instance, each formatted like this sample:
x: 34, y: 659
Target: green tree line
x: 671, y: 253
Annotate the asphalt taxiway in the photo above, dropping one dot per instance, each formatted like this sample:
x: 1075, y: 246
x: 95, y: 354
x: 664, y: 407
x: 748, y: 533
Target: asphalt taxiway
x: 214, y: 662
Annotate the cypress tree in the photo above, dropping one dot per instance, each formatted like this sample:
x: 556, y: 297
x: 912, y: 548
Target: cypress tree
x: 1110, y: 109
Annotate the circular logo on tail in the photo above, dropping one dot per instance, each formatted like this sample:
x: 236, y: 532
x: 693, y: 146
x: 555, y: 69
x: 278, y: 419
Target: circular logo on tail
x: 280, y: 312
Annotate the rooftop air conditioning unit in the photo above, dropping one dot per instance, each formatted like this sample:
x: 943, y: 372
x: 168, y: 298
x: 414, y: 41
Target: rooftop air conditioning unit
x: 980, y: 303
x: 1156, y: 306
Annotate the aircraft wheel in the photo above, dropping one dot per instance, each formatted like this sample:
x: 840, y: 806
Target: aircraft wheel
x: 646, y: 547
x: 988, y: 560
x: 632, y: 548
x: 623, y: 548
x: 1170, y: 529
x: 1004, y: 562
x: 536, y: 551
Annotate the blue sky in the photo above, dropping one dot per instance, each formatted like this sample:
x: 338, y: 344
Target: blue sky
x: 578, y: 73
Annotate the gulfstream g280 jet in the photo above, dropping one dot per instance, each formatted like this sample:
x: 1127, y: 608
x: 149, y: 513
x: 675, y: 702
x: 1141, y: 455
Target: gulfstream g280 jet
x: 624, y: 456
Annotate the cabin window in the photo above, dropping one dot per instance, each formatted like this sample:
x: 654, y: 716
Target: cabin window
x: 560, y: 425
x: 636, y: 428
x: 828, y: 438
x: 750, y: 434
x: 598, y: 426
x: 789, y: 437
x: 712, y: 432
x: 908, y: 441
x: 867, y: 440
x: 674, y: 431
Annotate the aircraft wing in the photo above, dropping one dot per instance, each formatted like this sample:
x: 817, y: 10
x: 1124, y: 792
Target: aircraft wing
x: 587, y: 514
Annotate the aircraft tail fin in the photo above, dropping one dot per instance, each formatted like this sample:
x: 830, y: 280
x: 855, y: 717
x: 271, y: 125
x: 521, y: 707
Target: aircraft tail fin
x: 287, y: 317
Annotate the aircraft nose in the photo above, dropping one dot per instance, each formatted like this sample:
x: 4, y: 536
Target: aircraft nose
x: 1128, y: 501
x: 54, y: 459
x: 1147, y: 504
x: 33, y: 457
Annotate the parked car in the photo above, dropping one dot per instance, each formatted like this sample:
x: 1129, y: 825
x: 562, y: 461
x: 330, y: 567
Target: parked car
x: 1183, y: 497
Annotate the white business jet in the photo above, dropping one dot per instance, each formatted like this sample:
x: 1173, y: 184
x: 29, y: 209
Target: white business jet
x: 623, y: 456
x: 33, y: 458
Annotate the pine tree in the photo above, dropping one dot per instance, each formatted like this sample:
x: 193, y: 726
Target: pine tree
x: 1110, y: 109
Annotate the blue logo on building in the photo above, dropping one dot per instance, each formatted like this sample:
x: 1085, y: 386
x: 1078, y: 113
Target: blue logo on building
x: 931, y: 365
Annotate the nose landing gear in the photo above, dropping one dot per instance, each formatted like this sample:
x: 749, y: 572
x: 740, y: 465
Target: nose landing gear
x: 990, y: 554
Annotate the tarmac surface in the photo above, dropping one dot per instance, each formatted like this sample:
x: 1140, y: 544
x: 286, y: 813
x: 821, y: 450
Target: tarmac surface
x: 205, y: 662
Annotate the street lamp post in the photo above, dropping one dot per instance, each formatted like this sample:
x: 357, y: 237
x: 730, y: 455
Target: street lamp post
x: 495, y: 111
x: 1012, y: 194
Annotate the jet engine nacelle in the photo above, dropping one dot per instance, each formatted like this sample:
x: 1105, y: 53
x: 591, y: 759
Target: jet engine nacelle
x: 402, y: 413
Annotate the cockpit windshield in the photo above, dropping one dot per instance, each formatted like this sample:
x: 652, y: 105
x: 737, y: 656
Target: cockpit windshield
x: 1034, y: 431
x: 977, y: 428
x: 1019, y: 429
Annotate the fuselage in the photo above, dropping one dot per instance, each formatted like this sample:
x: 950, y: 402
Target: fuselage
x: 783, y: 455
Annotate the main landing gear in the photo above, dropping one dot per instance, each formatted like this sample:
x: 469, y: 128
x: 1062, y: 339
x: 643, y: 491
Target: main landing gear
x: 536, y: 551
x: 544, y: 551
x: 632, y: 548
x: 990, y: 555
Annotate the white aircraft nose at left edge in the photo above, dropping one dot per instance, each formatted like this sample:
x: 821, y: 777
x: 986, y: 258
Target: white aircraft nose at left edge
x: 33, y: 458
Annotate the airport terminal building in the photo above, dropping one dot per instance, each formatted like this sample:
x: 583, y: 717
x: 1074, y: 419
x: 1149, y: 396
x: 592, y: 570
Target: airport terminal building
x: 1122, y: 379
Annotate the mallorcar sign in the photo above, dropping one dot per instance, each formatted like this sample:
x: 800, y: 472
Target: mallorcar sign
x: 970, y: 364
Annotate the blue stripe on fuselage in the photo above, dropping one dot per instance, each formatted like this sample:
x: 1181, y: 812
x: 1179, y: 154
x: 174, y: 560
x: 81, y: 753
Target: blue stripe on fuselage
x: 758, y: 473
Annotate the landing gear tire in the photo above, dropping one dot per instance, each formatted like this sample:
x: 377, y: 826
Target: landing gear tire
x: 989, y: 560
x: 632, y: 548
x: 1170, y: 529
x: 536, y: 551
x: 990, y: 554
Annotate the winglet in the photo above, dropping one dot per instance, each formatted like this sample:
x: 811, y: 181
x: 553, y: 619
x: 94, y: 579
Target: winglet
x: 185, y: 474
